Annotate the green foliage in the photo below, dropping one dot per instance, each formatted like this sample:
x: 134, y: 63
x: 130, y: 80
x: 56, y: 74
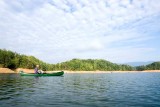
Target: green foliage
x: 14, y: 60
x: 91, y: 65
x: 152, y: 66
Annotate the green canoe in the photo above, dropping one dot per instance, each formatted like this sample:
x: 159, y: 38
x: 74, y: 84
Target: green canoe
x: 44, y: 74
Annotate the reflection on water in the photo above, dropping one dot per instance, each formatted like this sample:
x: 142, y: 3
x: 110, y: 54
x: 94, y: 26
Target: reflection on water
x: 87, y: 90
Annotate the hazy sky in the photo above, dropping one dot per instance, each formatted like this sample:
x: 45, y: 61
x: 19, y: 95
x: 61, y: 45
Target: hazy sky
x: 58, y: 30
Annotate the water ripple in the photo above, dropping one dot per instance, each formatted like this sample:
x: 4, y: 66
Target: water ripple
x: 81, y: 90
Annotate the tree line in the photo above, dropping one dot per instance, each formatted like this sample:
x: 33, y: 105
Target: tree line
x: 152, y: 66
x: 13, y: 60
x: 92, y: 65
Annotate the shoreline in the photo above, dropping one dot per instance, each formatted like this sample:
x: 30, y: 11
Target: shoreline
x: 9, y: 71
x: 149, y: 71
x: 67, y: 72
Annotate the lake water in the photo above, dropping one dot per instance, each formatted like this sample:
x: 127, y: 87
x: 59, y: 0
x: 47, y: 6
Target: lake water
x: 81, y: 90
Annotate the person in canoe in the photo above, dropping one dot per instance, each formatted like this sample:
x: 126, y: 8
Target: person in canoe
x: 37, y: 71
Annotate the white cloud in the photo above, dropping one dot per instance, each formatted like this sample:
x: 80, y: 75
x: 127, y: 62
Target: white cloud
x: 82, y: 29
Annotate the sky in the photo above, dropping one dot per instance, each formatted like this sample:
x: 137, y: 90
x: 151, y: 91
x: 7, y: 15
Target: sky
x: 55, y: 31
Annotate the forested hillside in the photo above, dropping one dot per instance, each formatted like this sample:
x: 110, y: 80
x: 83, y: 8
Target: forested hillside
x: 152, y: 66
x: 13, y: 60
x: 92, y: 65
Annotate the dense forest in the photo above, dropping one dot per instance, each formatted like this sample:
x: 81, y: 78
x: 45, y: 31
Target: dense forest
x: 152, y: 66
x: 13, y: 60
x: 92, y: 65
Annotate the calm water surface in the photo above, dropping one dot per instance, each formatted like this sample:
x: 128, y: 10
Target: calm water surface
x: 81, y: 90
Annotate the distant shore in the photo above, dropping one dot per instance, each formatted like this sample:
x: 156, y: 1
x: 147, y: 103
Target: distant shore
x: 7, y: 70
x: 111, y: 71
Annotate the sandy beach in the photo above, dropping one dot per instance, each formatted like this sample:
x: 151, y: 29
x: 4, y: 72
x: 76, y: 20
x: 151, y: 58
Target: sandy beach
x: 151, y: 71
x: 100, y: 71
x: 7, y: 70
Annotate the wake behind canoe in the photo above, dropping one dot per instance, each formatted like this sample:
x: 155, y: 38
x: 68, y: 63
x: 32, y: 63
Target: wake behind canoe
x: 44, y: 74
